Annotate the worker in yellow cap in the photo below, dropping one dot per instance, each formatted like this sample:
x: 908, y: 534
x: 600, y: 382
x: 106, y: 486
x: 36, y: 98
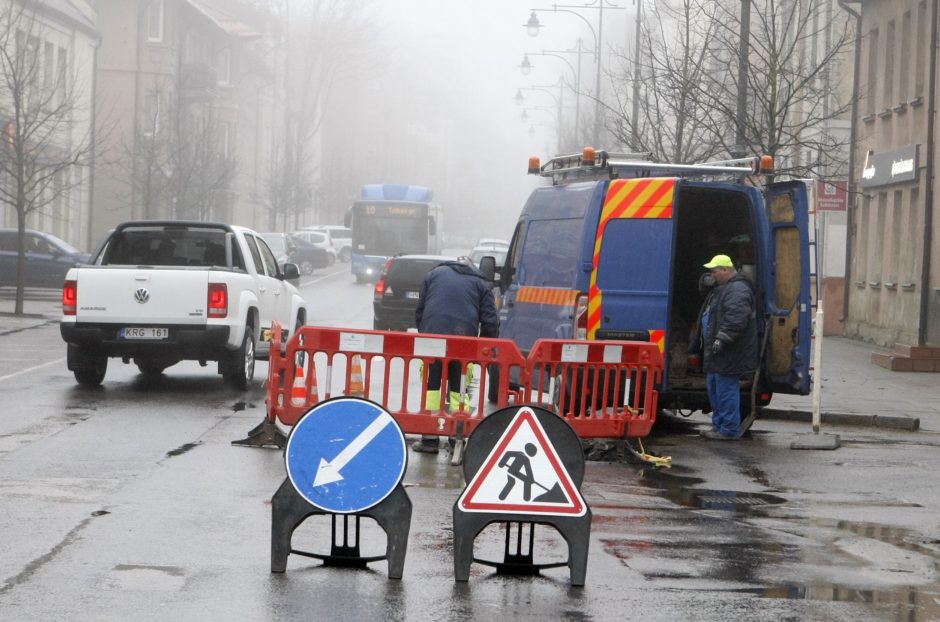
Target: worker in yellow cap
x: 729, y: 327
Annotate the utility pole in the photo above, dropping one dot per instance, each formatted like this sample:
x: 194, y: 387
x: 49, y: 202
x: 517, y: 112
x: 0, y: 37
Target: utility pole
x: 740, y: 139
x: 636, y: 70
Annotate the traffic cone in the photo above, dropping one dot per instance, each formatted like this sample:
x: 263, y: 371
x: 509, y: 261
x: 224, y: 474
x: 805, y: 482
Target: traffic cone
x: 298, y: 392
x: 356, y: 387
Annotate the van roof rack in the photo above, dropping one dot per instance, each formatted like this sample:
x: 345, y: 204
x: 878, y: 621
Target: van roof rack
x: 603, y: 164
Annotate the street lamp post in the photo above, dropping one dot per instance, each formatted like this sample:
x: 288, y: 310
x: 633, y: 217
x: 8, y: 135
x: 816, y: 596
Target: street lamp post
x: 533, y: 26
x: 559, y: 102
x: 579, y: 50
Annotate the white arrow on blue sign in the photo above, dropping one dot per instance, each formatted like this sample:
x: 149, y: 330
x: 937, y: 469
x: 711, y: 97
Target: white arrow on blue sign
x: 346, y: 455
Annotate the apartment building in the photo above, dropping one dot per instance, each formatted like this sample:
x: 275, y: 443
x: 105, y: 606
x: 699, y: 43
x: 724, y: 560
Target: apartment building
x: 893, y: 285
x: 187, y: 101
x: 49, y: 50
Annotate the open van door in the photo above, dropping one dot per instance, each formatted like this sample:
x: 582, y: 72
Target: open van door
x: 788, y: 301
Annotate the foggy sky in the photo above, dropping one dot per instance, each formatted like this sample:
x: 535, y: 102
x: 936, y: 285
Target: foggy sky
x: 463, y: 58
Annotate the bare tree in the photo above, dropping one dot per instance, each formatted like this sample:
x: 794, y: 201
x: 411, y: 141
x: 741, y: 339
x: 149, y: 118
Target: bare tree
x: 201, y: 169
x: 688, y: 83
x: 42, y: 157
x: 790, y: 103
x: 672, y: 120
x: 177, y: 162
x: 325, y: 40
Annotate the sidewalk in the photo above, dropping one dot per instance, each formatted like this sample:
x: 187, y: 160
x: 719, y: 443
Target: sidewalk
x: 855, y: 391
x: 40, y: 306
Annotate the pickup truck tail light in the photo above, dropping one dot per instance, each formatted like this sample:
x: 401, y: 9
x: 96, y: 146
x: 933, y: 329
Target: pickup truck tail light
x: 70, y: 297
x: 580, y: 318
x: 218, y: 300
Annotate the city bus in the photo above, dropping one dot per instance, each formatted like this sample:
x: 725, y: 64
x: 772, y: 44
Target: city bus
x: 391, y: 220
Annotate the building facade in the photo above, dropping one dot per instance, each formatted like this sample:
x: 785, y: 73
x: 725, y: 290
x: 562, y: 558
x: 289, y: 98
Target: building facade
x: 186, y: 97
x: 49, y: 49
x: 893, y: 286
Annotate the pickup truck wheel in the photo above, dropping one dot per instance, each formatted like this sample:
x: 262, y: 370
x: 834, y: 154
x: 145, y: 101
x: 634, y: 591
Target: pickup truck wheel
x: 90, y: 368
x: 241, y: 368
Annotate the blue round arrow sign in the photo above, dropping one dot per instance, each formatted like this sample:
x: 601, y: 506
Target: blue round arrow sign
x: 346, y: 455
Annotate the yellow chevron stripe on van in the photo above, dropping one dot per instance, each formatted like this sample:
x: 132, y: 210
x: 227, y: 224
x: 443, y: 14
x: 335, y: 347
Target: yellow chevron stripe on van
x: 626, y: 198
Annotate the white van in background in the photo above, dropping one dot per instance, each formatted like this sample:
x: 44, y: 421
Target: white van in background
x: 339, y: 237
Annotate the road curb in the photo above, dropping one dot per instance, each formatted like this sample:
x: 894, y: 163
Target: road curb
x: 910, y: 424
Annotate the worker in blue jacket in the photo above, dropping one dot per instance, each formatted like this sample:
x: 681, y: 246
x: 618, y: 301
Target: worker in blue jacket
x: 729, y: 326
x: 456, y: 299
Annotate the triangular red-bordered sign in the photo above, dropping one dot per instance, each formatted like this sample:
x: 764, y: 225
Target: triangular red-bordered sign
x: 550, y: 490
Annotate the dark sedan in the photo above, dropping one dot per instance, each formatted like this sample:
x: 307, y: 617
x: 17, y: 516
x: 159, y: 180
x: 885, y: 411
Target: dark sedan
x: 48, y: 258
x: 397, y: 292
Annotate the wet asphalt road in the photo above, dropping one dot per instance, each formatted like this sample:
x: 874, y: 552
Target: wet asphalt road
x: 130, y: 501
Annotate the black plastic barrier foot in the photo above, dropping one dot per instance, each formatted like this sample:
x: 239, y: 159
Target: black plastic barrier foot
x: 265, y: 434
x: 393, y: 515
x: 524, y: 466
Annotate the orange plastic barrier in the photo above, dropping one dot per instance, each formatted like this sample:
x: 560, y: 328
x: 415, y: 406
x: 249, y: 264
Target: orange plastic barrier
x: 604, y: 389
x: 390, y: 368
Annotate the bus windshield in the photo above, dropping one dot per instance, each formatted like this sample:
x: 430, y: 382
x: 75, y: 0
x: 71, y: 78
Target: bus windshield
x: 390, y: 231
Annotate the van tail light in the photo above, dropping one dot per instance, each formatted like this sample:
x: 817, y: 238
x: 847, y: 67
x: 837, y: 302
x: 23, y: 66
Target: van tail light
x: 70, y: 297
x: 218, y: 300
x: 580, y: 325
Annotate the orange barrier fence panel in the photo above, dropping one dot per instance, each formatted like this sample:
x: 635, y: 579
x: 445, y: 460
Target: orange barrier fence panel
x: 392, y: 369
x: 604, y: 389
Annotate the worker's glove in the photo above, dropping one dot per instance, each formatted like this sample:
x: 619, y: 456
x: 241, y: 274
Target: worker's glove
x: 717, y: 346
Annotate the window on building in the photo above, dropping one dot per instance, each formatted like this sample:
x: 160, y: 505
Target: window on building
x: 877, y: 247
x: 155, y: 15
x: 920, y: 70
x: 228, y: 139
x: 889, y: 69
x: 224, y: 69
x: 905, y: 70
x: 871, y: 106
x: 152, y: 112
x: 62, y: 75
x: 892, y: 267
x: 862, y: 228
x: 48, y: 68
x: 914, y: 239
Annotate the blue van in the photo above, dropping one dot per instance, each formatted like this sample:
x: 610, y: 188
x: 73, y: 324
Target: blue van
x: 615, y: 247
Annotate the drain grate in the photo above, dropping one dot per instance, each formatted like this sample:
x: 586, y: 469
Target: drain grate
x: 728, y: 500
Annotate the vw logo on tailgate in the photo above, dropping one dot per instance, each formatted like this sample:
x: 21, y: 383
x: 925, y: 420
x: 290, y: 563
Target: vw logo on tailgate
x: 141, y: 295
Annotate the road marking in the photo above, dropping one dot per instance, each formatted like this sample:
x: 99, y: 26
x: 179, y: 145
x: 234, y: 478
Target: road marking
x: 31, y: 369
x: 326, y: 276
x: 329, y: 472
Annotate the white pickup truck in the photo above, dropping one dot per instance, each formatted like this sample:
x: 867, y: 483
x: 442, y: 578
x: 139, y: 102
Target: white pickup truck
x: 160, y: 292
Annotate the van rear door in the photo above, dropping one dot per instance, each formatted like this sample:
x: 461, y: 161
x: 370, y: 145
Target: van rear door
x: 632, y: 271
x: 788, y: 294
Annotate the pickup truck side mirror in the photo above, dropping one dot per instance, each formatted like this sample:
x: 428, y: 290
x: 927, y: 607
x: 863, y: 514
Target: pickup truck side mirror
x: 432, y: 226
x: 488, y: 268
x: 347, y: 219
x: 290, y: 272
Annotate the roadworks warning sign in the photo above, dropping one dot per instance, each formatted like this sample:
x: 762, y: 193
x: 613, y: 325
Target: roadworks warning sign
x: 523, y: 475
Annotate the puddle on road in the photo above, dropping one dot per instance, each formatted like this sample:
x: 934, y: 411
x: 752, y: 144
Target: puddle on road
x: 182, y: 449
x: 891, y: 569
x: 145, y: 578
